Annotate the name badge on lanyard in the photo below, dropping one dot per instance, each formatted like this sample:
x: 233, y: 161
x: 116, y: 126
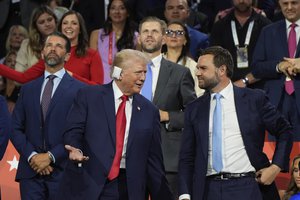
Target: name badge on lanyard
x: 242, y: 52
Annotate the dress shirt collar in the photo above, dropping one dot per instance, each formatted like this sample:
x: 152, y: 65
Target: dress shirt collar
x: 156, y: 60
x: 226, y: 92
x: 59, y: 74
x: 118, y: 93
x: 288, y: 23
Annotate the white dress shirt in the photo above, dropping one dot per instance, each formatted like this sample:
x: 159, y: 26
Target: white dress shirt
x: 128, y: 110
x: 155, y: 67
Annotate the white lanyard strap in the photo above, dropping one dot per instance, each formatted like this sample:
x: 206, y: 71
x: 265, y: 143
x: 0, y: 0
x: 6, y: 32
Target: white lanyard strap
x: 248, y: 35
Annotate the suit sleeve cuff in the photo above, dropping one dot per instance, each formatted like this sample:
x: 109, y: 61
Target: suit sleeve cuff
x: 31, y: 155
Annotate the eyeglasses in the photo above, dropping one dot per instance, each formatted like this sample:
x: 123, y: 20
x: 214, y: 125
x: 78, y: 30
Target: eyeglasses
x: 178, y: 33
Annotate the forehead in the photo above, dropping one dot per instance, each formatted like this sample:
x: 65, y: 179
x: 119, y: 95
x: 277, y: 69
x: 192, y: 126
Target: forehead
x: 175, y: 26
x: 117, y: 3
x: 176, y: 3
x: 135, y: 63
x: 296, y: 163
x: 55, y: 40
x: 70, y: 17
x: 152, y: 25
x: 207, y: 58
x: 289, y: 1
x: 44, y: 16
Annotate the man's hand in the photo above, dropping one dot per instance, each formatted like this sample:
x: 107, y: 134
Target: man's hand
x: 164, y: 116
x: 293, y: 71
x: 39, y: 162
x: 47, y: 171
x: 76, y: 154
x: 239, y: 83
x: 266, y: 176
x: 285, y: 67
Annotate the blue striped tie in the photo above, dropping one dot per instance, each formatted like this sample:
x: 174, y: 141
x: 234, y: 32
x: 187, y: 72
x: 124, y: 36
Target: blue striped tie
x: 217, y: 135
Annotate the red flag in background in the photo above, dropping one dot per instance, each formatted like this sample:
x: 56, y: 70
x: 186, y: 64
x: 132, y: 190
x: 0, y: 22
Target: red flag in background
x: 8, y: 169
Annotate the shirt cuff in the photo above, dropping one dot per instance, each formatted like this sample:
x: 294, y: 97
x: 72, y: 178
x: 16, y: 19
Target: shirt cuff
x: 185, y: 196
x: 31, y: 155
x: 51, y: 156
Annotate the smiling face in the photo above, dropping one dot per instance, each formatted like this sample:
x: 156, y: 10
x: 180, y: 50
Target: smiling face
x: 70, y: 27
x: 46, y: 24
x: 290, y: 9
x: 118, y: 12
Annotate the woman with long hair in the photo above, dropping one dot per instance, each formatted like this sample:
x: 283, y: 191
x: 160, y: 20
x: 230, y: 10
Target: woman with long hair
x: 293, y: 191
x: 118, y: 33
x: 43, y: 22
x: 176, y: 49
x: 84, y: 63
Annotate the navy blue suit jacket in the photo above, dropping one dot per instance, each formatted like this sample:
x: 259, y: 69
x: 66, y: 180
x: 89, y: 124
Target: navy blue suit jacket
x: 30, y: 134
x: 5, y: 126
x: 255, y: 114
x: 91, y: 127
x: 271, y: 48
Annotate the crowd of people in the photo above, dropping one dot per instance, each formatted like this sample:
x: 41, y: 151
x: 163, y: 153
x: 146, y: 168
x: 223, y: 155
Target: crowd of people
x: 153, y: 99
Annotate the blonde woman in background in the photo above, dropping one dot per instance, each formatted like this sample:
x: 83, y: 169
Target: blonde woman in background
x: 176, y: 49
x: 43, y: 22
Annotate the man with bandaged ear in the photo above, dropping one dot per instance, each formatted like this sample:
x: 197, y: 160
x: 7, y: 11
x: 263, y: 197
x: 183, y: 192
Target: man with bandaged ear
x: 113, y: 138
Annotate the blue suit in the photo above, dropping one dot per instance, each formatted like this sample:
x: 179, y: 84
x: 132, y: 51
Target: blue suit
x: 254, y: 114
x: 30, y: 133
x: 5, y: 126
x: 91, y: 128
x: 270, y: 49
x: 199, y: 41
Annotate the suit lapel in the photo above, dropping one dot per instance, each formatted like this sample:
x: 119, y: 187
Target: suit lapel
x: 281, y: 33
x: 203, y: 128
x: 135, y: 116
x: 36, y: 97
x: 163, y: 78
x: 109, y: 108
x: 241, y: 109
x: 61, y: 89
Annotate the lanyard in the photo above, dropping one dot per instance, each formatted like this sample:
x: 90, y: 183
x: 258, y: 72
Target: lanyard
x: 110, y: 48
x: 248, y: 35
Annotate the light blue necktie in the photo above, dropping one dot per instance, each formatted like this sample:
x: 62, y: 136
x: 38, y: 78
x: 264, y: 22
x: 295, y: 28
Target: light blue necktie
x: 147, y: 87
x: 217, y: 135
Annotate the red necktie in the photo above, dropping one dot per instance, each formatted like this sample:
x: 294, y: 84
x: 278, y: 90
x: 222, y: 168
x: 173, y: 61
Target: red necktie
x: 120, y: 132
x: 292, y: 42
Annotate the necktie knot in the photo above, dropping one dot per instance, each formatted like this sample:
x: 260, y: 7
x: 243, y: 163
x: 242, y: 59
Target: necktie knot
x: 217, y: 96
x: 51, y: 77
x: 124, y: 98
x: 293, y: 25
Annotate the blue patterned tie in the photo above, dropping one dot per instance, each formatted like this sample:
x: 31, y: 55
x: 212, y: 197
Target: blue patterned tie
x: 147, y: 87
x: 46, y: 97
x: 217, y: 135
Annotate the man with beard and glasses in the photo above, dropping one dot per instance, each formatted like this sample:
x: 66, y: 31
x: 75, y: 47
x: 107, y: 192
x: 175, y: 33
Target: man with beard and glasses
x: 170, y: 87
x: 221, y: 154
x: 238, y: 33
x: 38, y: 122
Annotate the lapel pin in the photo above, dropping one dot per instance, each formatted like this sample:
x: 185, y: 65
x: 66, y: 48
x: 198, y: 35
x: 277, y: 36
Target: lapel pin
x: 138, y: 108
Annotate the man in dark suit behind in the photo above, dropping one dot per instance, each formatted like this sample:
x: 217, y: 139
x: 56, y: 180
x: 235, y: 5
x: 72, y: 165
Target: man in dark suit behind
x: 93, y: 139
x: 269, y: 63
x: 225, y: 160
x: 172, y: 89
x: 38, y: 121
x: 5, y: 126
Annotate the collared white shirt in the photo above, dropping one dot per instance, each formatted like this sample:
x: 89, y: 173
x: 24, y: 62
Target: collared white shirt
x: 59, y: 75
x: 297, y: 29
x: 235, y: 158
x: 155, y: 67
x: 128, y: 110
